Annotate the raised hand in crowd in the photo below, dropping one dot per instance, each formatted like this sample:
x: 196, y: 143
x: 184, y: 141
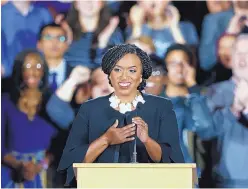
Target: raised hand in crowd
x: 237, y: 23
x: 174, y: 18
x: 137, y: 17
x: 105, y: 35
x: 79, y: 75
x: 240, y: 102
x: 189, y: 74
x: 60, y: 19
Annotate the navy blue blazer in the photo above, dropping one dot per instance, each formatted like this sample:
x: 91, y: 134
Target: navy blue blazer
x: 96, y: 116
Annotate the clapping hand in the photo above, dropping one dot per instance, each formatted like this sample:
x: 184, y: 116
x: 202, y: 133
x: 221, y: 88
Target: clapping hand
x: 116, y: 135
x: 80, y: 74
x: 189, y: 75
x: 142, y: 129
x: 105, y: 35
x: 241, y: 96
x: 137, y: 15
x: 237, y: 23
x: 30, y: 170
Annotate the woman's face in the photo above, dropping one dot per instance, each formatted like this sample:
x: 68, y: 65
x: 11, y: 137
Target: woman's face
x: 89, y: 8
x: 175, y: 66
x: 225, y: 50
x: 154, y: 7
x: 126, y: 76
x: 33, y: 70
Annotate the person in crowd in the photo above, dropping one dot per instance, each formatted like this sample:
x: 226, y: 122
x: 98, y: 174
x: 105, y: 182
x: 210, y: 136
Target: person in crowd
x: 161, y: 21
x: 224, y: 48
x: 25, y: 134
x: 223, y: 69
x: 26, y: 20
x: 155, y: 83
x: 215, y: 25
x: 108, y: 138
x: 228, y: 103
x: 53, y: 43
x: 190, y: 106
x: 94, y: 29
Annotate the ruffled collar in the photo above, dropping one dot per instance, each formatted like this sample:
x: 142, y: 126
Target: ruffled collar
x: 116, y: 103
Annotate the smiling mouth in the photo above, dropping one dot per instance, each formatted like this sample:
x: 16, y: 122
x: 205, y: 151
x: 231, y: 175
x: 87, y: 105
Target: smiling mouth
x: 124, y: 84
x: 32, y: 80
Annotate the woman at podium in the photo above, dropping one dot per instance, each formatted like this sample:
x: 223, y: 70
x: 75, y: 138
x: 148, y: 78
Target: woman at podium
x: 127, y: 125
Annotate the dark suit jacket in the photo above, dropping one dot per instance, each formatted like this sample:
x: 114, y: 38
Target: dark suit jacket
x: 96, y: 116
x: 58, y: 142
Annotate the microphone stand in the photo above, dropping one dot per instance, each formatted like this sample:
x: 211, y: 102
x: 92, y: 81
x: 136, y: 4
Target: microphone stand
x: 134, y: 156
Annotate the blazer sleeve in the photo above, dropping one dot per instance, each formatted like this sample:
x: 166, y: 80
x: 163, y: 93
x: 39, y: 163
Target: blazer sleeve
x: 77, y: 144
x: 169, y: 135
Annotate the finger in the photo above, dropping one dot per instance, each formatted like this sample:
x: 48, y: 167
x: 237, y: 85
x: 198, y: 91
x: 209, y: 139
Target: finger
x: 137, y: 119
x: 142, y: 128
x: 140, y: 122
x: 127, y: 127
x: 129, y: 139
x: 132, y: 133
x: 116, y: 123
x: 132, y: 129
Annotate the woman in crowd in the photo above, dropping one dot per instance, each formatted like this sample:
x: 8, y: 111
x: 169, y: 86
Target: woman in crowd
x: 93, y: 30
x: 161, y: 21
x: 25, y: 135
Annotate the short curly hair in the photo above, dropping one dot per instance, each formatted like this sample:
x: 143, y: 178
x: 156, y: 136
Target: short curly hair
x: 114, y: 54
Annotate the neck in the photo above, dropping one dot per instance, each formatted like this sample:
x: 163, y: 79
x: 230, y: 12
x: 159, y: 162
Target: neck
x: 126, y: 99
x: 175, y: 90
x: 22, y: 6
x: 53, y: 62
x: 89, y: 24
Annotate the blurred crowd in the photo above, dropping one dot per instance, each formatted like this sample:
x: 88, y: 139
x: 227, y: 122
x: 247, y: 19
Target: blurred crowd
x: 51, y: 64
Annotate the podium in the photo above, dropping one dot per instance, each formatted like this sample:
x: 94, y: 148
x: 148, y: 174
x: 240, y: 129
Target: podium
x: 132, y: 175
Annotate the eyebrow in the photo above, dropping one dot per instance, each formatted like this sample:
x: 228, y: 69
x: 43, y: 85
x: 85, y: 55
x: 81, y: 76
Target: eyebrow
x: 128, y: 67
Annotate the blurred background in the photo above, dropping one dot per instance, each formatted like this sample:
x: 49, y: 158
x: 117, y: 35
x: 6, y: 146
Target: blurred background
x: 50, y: 64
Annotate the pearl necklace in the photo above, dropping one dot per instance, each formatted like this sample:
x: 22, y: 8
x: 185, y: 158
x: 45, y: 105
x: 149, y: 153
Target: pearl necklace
x: 115, y: 103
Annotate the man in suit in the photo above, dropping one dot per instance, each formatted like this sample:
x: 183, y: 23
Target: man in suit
x: 53, y: 43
